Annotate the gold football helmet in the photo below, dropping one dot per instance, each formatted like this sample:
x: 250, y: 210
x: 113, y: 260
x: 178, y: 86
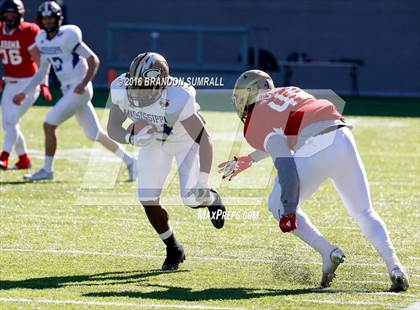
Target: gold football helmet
x: 147, y: 78
x: 247, y: 87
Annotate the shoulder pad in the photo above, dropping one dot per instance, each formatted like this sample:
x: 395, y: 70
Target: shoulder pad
x: 118, y: 92
x: 40, y: 37
x: 178, y: 97
x: 72, y: 31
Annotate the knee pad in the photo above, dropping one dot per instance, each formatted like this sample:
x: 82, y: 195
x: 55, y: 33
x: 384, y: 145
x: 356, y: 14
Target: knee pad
x: 10, y: 122
x: 8, y: 126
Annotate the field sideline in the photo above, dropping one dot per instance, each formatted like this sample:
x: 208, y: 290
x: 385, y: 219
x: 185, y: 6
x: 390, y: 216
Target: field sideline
x: 83, y: 241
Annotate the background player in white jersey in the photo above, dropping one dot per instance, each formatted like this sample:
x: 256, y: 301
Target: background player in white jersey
x: 75, y: 65
x: 20, y: 58
x: 174, y: 130
x: 309, y: 142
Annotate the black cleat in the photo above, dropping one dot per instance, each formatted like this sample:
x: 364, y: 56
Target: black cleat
x: 217, y: 211
x: 174, y: 256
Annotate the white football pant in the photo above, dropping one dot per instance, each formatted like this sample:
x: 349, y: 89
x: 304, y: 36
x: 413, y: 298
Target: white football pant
x: 154, y: 166
x: 11, y: 113
x: 78, y: 105
x: 334, y: 155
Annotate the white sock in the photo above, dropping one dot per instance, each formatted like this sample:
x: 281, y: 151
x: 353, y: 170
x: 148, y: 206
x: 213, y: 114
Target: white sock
x: 48, y: 163
x: 166, y: 234
x: 124, y: 156
x: 374, y: 230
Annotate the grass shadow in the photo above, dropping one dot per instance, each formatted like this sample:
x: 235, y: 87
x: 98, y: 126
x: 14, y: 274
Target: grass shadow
x: 62, y: 281
x: 162, y: 292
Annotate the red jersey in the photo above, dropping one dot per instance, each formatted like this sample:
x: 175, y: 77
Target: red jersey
x: 285, y: 110
x: 14, y: 50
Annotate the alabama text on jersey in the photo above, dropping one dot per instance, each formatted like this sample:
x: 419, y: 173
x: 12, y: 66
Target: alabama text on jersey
x: 14, y: 50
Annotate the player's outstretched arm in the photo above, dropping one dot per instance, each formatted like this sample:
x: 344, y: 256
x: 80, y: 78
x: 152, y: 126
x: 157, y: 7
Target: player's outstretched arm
x: 35, y: 81
x: 288, y: 178
x: 231, y: 168
x: 195, y: 127
x: 36, y: 57
x: 115, y: 127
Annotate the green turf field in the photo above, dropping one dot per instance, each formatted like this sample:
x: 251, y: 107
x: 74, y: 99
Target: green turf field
x: 83, y: 241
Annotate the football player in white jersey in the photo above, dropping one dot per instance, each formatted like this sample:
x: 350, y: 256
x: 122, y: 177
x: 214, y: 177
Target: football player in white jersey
x: 172, y: 128
x: 75, y: 65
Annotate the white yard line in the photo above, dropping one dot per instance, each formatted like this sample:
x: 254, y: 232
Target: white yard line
x: 372, y: 282
x: 209, y: 258
x: 184, y: 306
x: 385, y: 274
x: 333, y: 291
x: 253, y: 222
x: 79, y: 252
x: 110, y: 304
x: 346, y: 302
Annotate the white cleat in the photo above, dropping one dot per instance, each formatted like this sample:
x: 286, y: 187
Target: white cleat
x: 132, y: 171
x: 399, y: 280
x: 40, y: 175
x: 330, y: 265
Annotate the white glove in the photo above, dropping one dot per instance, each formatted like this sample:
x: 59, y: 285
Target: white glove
x: 144, y: 137
x: 200, y: 195
x: 233, y: 167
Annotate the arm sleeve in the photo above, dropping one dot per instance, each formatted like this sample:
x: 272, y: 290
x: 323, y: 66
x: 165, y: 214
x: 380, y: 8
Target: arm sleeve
x: 83, y: 50
x: 288, y: 177
x: 39, y: 77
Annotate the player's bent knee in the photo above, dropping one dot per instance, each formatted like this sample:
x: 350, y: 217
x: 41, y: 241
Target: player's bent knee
x: 367, y: 214
x: 94, y: 135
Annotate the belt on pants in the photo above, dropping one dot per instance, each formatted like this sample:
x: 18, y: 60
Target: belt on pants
x: 329, y: 129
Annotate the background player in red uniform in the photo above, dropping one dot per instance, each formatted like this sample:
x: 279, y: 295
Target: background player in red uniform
x: 20, y: 58
x: 309, y: 142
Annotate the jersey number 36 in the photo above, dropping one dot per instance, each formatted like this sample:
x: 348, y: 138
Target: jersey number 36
x: 10, y: 56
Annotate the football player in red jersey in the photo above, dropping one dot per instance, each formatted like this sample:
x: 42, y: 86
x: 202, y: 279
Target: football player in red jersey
x: 20, y: 58
x: 309, y: 141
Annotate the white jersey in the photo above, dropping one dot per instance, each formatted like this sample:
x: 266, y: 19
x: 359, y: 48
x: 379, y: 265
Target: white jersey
x: 176, y: 104
x: 59, y: 51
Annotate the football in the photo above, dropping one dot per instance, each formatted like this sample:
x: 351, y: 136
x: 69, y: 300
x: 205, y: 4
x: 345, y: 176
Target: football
x: 137, y: 126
